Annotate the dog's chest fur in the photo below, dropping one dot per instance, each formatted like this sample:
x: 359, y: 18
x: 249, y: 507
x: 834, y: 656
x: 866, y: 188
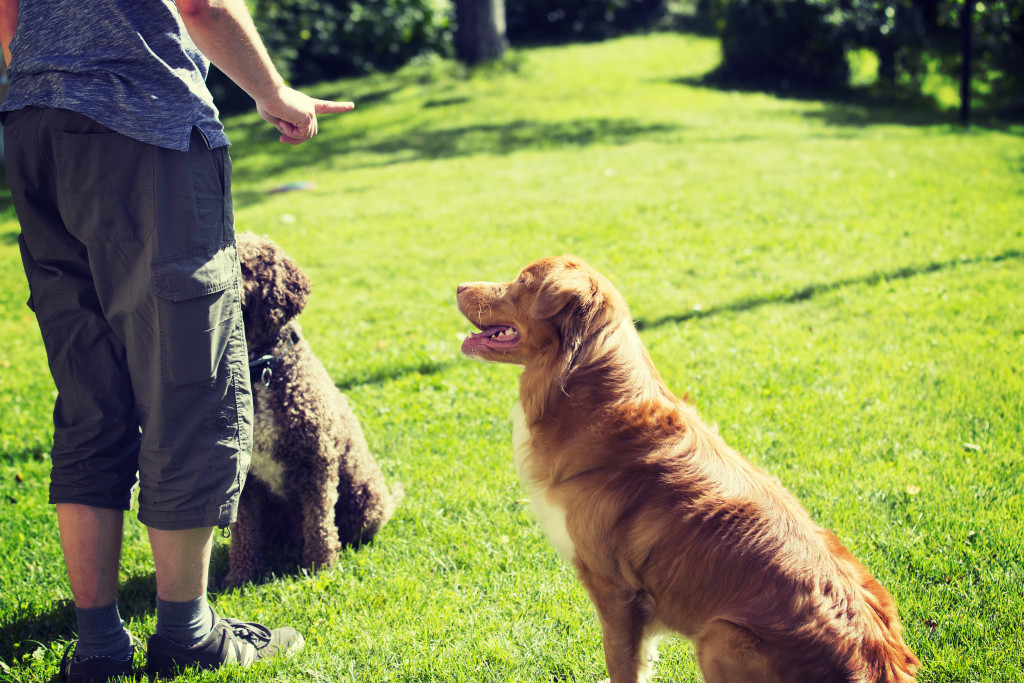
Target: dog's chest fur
x: 550, y: 515
x: 265, y: 434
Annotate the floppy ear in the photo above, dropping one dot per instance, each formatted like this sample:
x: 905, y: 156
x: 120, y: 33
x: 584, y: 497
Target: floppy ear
x: 560, y: 288
x: 275, y: 288
x: 288, y: 291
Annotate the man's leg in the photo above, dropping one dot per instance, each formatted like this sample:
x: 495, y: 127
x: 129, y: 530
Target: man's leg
x: 96, y: 439
x: 182, y: 560
x: 188, y: 633
x: 91, y: 540
x: 195, y: 405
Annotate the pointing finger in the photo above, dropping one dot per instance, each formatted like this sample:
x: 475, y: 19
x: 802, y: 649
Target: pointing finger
x: 328, y: 107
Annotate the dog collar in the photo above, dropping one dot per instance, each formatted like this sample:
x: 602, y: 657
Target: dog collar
x: 264, y: 363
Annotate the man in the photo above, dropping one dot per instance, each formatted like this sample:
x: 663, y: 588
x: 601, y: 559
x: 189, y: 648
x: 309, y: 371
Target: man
x: 121, y: 180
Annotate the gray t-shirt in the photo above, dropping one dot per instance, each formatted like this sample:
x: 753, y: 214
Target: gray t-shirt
x: 127, y: 64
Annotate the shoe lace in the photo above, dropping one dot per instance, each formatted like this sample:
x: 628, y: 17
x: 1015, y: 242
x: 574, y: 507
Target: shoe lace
x: 69, y: 654
x: 255, y: 634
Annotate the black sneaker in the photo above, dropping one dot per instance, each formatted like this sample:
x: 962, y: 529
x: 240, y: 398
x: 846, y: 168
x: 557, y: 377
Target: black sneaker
x: 94, y: 669
x: 230, y: 641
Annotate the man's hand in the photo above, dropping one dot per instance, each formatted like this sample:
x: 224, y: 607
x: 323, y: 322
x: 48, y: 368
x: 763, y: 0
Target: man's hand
x: 294, y: 114
x: 224, y: 31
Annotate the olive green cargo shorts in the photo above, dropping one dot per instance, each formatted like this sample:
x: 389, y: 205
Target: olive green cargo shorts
x: 133, y: 275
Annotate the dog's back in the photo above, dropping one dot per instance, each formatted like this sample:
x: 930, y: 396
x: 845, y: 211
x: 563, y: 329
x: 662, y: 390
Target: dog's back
x: 757, y: 585
x: 719, y: 550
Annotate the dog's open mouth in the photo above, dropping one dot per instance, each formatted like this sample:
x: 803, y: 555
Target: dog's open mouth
x: 494, y: 337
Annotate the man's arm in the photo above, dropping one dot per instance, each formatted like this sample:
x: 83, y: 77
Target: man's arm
x: 224, y: 31
x: 8, y: 24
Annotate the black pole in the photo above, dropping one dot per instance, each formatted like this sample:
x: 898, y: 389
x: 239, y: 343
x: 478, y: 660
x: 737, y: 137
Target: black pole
x: 966, y: 32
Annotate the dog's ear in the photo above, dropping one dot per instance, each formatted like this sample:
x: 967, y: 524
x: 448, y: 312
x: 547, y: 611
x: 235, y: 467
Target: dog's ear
x: 275, y: 288
x: 568, y: 283
x: 571, y: 293
x: 289, y: 290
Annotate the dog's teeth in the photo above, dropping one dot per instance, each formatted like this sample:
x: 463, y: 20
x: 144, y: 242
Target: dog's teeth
x: 507, y: 332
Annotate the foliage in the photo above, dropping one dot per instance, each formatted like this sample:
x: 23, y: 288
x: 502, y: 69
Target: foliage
x: 314, y: 40
x: 998, y: 41
x: 783, y: 44
x: 896, y: 30
x: 709, y: 16
x: 532, y: 21
x: 903, y: 32
x: 776, y: 40
x: 330, y: 38
x: 836, y: 285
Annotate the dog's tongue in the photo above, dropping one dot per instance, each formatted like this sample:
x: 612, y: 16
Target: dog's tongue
x: 490, y: 338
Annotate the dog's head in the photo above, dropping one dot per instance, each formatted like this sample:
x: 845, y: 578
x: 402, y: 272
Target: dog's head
x: 275, y: 288
x: 551, y: 308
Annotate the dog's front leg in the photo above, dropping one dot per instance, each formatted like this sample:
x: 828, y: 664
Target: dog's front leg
x: 625, y: 615
x: 320, y: 543
x: 245, y: 554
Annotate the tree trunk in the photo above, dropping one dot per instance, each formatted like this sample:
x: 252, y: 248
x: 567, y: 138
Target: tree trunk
x: 480, y: 30
x: 966, y: 50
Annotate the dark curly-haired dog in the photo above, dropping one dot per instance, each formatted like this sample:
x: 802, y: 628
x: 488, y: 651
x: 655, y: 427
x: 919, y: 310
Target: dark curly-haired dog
x: 313, y: 481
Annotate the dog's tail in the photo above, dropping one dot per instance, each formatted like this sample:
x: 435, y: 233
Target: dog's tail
x: 886, y: 656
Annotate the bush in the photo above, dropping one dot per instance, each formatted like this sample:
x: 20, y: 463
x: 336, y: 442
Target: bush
x: 315, y: 40
x: 322, y: 39
x: 783, y: 44
x: 545, y: 21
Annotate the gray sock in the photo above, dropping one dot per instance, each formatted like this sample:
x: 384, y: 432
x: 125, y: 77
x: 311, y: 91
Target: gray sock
x: 184, y: 622
x: 101, y: 633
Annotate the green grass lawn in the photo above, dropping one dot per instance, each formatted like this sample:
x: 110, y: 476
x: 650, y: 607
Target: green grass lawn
x: 840, y: 286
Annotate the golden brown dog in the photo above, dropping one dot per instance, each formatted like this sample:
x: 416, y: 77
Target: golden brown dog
x: 669, y: 529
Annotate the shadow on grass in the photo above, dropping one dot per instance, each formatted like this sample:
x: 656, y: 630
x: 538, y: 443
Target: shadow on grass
x: 25, y: 635
x: 387, y: 374
x: 445, y: 102
x: 813, y: 290
x: 136, y: 599
x: 802, y: 294
x: 427, y: 143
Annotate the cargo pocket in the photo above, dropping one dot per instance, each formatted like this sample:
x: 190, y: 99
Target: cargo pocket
x: 198, y: 300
